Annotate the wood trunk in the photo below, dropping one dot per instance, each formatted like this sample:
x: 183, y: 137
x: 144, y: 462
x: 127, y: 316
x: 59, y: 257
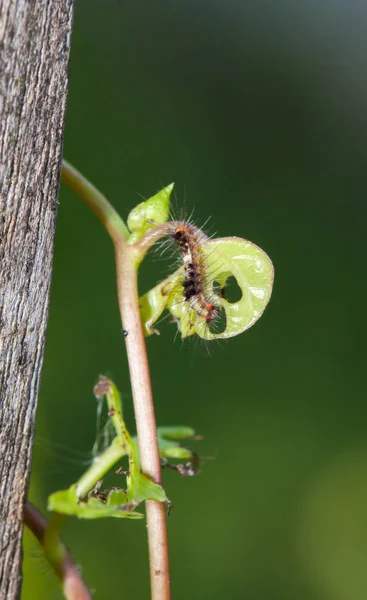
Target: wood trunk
x: 34, y: 55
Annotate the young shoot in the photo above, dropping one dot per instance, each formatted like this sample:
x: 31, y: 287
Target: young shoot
x: 195, y: 295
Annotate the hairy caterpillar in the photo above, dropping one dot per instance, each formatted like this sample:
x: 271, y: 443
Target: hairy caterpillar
x: 190, y: 291
x: 196, y: 294
x: 195, y: 288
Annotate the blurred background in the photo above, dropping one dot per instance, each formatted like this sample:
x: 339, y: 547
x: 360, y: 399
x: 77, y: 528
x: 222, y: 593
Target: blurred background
x: 258, y: 112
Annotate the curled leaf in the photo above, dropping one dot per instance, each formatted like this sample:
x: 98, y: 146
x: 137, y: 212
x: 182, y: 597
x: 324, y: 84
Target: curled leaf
x: 224, y: 258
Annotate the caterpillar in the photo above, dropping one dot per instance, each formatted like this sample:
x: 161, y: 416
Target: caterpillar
x: 190, y: 239
x: 192, y: 291
x: 220, y: 286
x: 195, y: 288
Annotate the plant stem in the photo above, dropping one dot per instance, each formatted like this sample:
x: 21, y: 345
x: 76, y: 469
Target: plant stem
x: 56, y: 553
x: 96, y: 471
x: 96, y: 201
x: 145, y: 418
x: 127, y: 260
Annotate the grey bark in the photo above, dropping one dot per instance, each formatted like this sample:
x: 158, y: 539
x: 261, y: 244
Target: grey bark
x: 34, y: 55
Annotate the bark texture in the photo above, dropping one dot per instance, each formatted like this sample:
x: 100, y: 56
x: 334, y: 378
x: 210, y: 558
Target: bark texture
x: 34, y: 55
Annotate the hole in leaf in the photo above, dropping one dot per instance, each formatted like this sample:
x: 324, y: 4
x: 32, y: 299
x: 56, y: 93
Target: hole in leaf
x: 219, y: 324
x: 232, y: 291
x: 217, y: 288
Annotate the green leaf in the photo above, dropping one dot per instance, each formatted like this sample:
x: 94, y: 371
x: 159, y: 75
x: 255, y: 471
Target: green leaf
x: 111, y: 502
x: 139, y: 486
x: 222, y: 258
x: 148, y: 214
x: 169, y: 442
x: 68, y: 503
x: 175, y: 432
x: 152, y: 305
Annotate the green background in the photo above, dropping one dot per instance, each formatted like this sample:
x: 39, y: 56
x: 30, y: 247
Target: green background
x: 257, y: 110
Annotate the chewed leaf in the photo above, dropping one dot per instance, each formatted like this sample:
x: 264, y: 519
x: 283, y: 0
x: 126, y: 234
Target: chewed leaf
x: 87, y: 499
x: 254, y: 273
x: 224, y: 258
x: 68, y: 503
x: 148, y: 214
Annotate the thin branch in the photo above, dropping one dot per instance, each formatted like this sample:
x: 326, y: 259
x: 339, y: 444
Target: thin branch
x: 57, y: 554
x: 127, y: 260
x: 95, y: 200
x: 96, y: 471
x: 145, y: 419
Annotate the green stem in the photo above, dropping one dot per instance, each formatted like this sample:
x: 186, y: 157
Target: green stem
x: 56, y: 553
x: 100, y: 467
x: 95, y: 200
x: 53, y: 547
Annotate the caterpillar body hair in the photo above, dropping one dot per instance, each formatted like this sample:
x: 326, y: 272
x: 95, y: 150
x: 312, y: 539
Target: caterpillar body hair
x: 190, y: 239
x: 194, y: 285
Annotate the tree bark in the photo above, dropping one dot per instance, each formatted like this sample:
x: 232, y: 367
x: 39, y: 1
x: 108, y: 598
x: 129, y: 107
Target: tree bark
x: 34, y: 55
